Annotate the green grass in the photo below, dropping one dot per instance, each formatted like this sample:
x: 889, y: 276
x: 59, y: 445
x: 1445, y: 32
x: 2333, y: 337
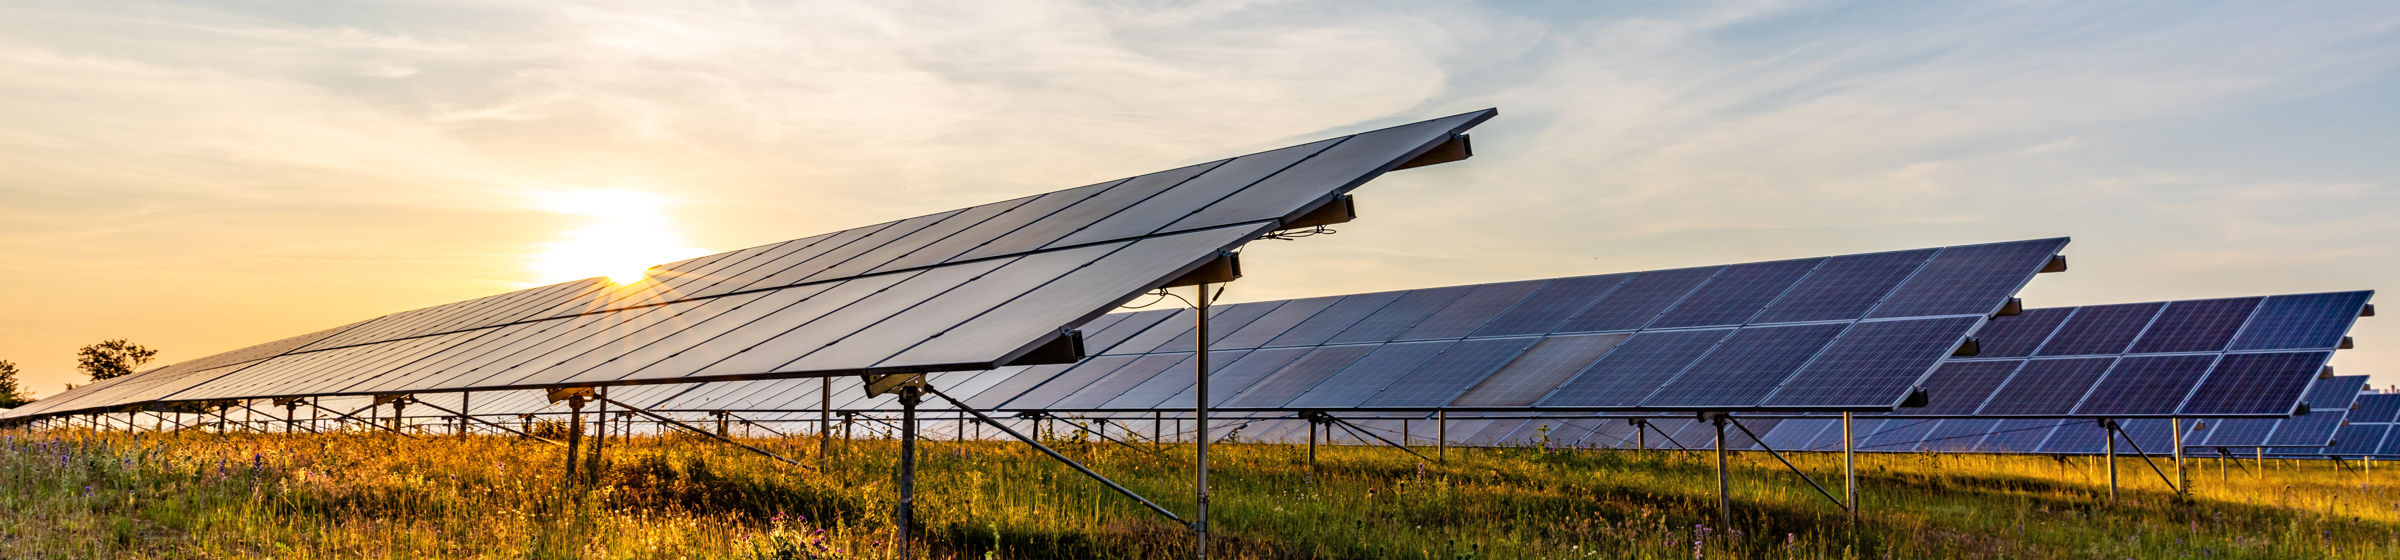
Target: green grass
x: 193, y: 495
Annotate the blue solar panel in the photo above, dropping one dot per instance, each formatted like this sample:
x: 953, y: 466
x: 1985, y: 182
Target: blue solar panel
x: 1969, y: 280
x: 1333, y: 320
x: 1074, y: 379
x: 2390, y: 447
x: 1387, y: 323
x: 1959, y: 435
x: 1736, y: 294
x: 1641, y: 299
x: 2017, y: 336
x: 1274, y: 324
x: 1831, y: 438
x: 1175, y: 379
x: 1745, y: 366
x: 1557, y: 301
x: 2256, y: 384
x: 2079, y: 437
x: 1539, y: 370
x: 1797, y: 433
x: 1234, y: 377
x: 2329, y: 402
x: 2155, y: 436
x: 2358, y: 439
x: 2233, y: 432
x: 1959, y: 388
x: 1279, y: 388
x: 2101, y: 329
x: 1443, y: 377
x: 1117, y: 382
x: 2302, y: 322
x: 1099, y: 340
x: 1471, y: 311
x: 1898, y: 434
x: 1844, y: 287
x: 2196, y: 326
x: 2377, y: 409
x: 1371, y: 374
x: 2019, y: 436
x: 1176, y: 323
x: 1223, y: 320
x: 2146, y: 385
x: 2047, y: 387
x: 1875, y: 363
x: 1629, y: 374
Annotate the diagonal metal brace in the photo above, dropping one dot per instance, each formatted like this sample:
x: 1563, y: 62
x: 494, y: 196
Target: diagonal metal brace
x: 1112, y: 485
x: 353, y: 416
x: 246, y: 406
x: 1355, y: 429
x: 1787, y: 463
x: 1663, y: 433
x: 697, y: 430
x: 2137, y: 450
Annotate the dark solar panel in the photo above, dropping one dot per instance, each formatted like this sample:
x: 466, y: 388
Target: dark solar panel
x: 1471, y: 311
x: 2256, y: 384
x: 2154, y: 436
x: 2018, y: 335
x: 1353, y: 385
x: 1355, y: 159
x: 1959, y: 388
x: 2233, y: 432
x: 1634, y: 304
x: 1333, y: 320
x: 2080, y: 437
x: 1628, y: 374
x: 1223, y: 320
x: 1959, y: 435
x: 1279, y: 387
x: 1153, y: 212
x: 1538, y: 370
x: 1844, y: 287
x: 1117, y: 382
x: 1443, y: 377
x: 1175, y: 379
x: 1230, y: 381
x: 1874, y: 363
x: 2358, y: 439
x: 1075, y: 379
x: 2196, y: 326
x: 1898, y: 434
x: 1796, y: 434
x: 1387, y: 323
x: 1743, y: 368
x: 2145, y: 385
x: 2302, y: 322
x: 1969, y: 280
x: 2377, y: 408
x: 2019, y: 436
x: 1274, y: 324
x: 1831, y: 439
x: 1736, y: 294
x: 2329, y: 403
x: 1173, y: 326
x: 1546, y: 309
x: 2101, y: 329
x: 1103, y: 340
x: 2047, y: 387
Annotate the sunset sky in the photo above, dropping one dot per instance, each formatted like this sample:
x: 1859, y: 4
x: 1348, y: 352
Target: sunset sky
x: 200, y: 176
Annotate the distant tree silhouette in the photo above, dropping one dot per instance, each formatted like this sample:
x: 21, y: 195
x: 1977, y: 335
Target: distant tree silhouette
x: 11, y: 395
x: 112, y: 358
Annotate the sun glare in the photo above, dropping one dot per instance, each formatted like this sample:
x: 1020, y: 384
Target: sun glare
x: 627, y: 234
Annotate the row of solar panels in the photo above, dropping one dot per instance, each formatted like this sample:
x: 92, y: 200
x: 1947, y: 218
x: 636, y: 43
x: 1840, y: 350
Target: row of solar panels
x: 962, y: 290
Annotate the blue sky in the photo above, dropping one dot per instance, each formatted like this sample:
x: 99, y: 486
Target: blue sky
x: 201, y: 176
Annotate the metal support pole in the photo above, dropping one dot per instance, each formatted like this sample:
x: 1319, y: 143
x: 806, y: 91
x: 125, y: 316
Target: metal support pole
x: 1200, y: 417
x: 1641, y: 437
x: 1312, y: 450
x: 397, y: 407
x: 1724, y: 489
x: 463, y: 406
x: 1441, y: 436
x: 600, y: 434
x: 2109, y: 430
x: 2183, y: 484
x: 574, y: 434
x: 825, y: 424
x: 1849, y: 470
x: 908, y: 466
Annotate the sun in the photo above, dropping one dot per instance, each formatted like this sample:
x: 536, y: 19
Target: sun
x: 626, y: 234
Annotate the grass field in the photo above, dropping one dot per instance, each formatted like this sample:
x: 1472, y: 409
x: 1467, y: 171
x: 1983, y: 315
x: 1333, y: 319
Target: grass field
x: 193, y: 495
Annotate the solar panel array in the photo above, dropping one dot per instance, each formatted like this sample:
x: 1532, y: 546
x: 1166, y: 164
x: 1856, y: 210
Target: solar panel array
x: 2368, y: 431
x: 967, y: 289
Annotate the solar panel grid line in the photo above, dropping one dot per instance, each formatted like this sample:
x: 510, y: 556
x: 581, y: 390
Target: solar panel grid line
x: 1872, y: 357
x: 1402, y: 314
x: 694, y: 349
x: 373, y: 359
x: 1761, y: 378
x: 1321, y: 328
x: 1210, y: 185
x: 2145, y: 373
x: 547, y: 343
x: 818, y: 264
x: 739, y: 262
x: 1025, y: 275
x: 1615, y: 378
x: 1275, y: 323
x: 1471, y: 311
x: 1451, y: 372
x: 1898, y: 304
x: 950, y: 225
x: 631, y: 336
x: 1671, y: 303
x: 1081, y: 213
x: 1749, y: 283
x: 1846, y: 277
x: 1370, y: 374
x: 1590, y: 290
x: 1157, y: 335
x: 823, y: 329
x: 785, y: 260
x: 1033, y: 210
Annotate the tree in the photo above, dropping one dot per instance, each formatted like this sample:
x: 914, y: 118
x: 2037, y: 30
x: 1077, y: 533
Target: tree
x: 11, y: 395
x: 112, y: 358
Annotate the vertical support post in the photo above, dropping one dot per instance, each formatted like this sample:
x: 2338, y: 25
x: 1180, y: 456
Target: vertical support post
x: 291, y: 416
x: 599, y: 433
x: 1724, y: 489
x: 574, y: 434
x: 2183, y: 484
x: 1312, y: 450
x: 463, y: 405
x: 721, y: 431
x: 2262, y: 463
x: 1849, y: 470
x: 908, y: 467
x: 825, y: 424
x: 1441, y: 436
x: 1404, y: 433
x: 2109, y: 428
x: 398, y: 408
x: 1200, y: 419
x: 1641, y: 437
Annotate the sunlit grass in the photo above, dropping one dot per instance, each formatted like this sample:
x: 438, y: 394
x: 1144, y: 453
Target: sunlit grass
x: 194, y: 495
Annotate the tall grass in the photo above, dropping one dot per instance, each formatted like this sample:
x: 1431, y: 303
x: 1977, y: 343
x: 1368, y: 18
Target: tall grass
x: 74, y: 494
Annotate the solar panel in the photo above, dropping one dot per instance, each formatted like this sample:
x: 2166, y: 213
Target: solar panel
x: 1634, y: 304
x: 1223, y: 320
x: 2196, y: 326
x: 1960, y: 388
x: 2078, y: 438
x: 2020, y: 436
x: 2146, y: 385
x: 1355, y: 384
x: 1279, y: 388
x: 1874, y: 363
x: 1959, y: 435
x: 1546, y: 309
x: 2302, y: 322
x: 2256, y: 384
x: 1174, y: 380
x: 1796, y: 434
x: 1968, y: 280
x: 1157, y: 336
x: 2101, y: 329
x: 1743, y: 368
x: 1234, y: 377
x: 1538, y: 371
x: 2358, y: 440
x: 1629, y: 374
x: 1274, y: 323
x: 1323, y: 326
x: 1387, y: 323
x: 1116, y: 383
x: 1736, y: 294
x: 1845, y: 287
x: 2018, y: 335
x: 2047, y: 387
x: 1471, y: 311
x: 1898, y: 434
x: 1442, y: 378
